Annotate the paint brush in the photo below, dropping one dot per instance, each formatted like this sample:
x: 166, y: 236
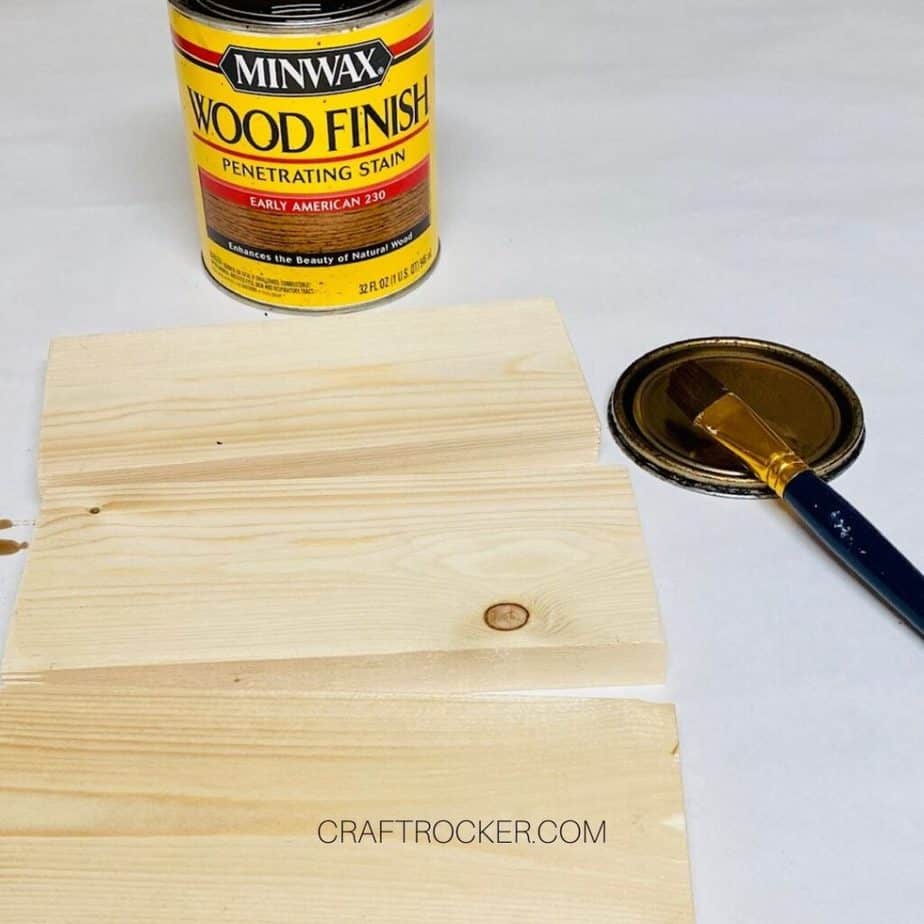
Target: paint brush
x: 733, y: 423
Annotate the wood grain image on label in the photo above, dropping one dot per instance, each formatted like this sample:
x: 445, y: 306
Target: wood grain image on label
x: 164, y: 807
x: 470, y: 388
x: 378, y: 582
x: 319, y: 233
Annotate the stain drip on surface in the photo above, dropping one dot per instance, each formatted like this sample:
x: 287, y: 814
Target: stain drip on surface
x: 10, y: 546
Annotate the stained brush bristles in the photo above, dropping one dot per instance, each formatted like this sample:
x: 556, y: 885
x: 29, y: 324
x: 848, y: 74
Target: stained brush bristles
x: 693, y: 389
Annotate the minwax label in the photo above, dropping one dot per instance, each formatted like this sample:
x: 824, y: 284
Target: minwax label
x: 312, y: 157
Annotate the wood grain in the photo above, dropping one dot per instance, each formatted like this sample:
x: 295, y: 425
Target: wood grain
x: 168, y: 807
x: 488, y: 387
x: 316, y: 233
x: 378, y: 583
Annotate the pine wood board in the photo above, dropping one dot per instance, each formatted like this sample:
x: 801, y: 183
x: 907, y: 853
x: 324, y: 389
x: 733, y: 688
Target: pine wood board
x: 478, y: 387
x: 357, y: 583
x: 195, y: 807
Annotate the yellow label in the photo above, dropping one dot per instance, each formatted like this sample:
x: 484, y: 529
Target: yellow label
x: 313, y: 157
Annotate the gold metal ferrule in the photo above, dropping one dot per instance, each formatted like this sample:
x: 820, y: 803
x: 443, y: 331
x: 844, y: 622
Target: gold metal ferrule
x: 733, y: 423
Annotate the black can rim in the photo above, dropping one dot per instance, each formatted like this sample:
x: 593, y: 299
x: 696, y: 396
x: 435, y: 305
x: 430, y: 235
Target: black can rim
x: 286, y: 17
x: 647, y: 454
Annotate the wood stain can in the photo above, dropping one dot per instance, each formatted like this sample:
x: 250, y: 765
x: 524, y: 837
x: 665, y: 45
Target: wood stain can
x: 311, y: 136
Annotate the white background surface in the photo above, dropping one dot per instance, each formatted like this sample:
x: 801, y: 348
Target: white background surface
x: 666, y: 170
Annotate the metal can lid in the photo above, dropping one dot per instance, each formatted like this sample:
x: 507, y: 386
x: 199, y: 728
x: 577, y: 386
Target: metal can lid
x: 807, y: 402
x: 256, y: 13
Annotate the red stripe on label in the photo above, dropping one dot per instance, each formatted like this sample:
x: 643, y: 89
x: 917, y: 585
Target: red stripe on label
x: 263, y: 158
x: 197, y: 51
x: 330, y: 203
x: 412, y: 41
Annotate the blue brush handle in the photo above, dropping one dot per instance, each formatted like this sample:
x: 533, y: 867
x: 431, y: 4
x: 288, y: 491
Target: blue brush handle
x: 859, y: 545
